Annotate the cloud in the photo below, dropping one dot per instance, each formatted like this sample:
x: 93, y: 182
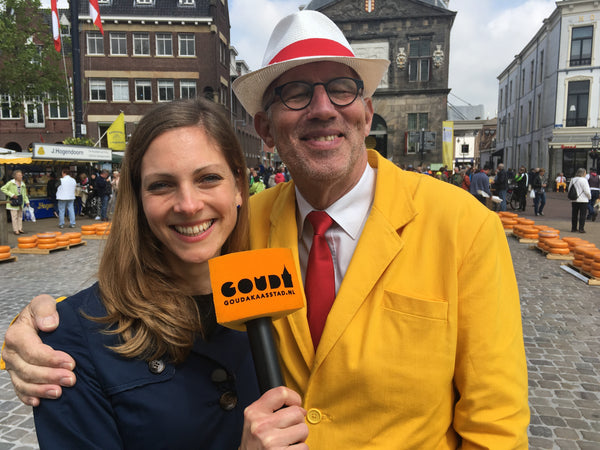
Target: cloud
x: 252, y: 22
x: 484, y: 40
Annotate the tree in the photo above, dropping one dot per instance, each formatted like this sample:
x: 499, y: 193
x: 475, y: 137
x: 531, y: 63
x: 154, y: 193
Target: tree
x: 29, y: 65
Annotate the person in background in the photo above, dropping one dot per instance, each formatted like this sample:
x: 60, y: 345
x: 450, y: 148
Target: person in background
x: 466, y: 183
x: 66, y: 198
x: 561, y: 183
x: 594, y: 183
x: 82, y: 184
x: 480, y: 185
x: 539, y: 185
x: 501, y: 185
x: 579, y: 206
x: 102, y: 188
x: 257, y: 185
x: 522, y: 180
x: 16, y: 189
x: 51, y: 187
x: 114, y: 184
x: 399, y: 344
x: 456, y: 179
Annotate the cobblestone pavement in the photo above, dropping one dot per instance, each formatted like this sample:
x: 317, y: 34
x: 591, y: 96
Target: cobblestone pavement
x: 561, y: 323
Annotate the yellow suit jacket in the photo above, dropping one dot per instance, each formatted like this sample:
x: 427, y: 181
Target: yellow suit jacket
x: 423, y: 348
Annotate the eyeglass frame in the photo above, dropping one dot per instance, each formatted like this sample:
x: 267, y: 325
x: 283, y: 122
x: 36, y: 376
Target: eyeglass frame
x: 360, y: 85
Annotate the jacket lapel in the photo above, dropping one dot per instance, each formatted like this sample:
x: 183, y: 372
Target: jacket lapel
x: 379, y: 243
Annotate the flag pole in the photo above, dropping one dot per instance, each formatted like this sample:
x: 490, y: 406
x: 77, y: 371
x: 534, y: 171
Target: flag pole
x: 76, y: 57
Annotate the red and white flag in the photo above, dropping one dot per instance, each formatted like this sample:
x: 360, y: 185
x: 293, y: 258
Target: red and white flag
x: 55, y: 26
x: 95, y: 15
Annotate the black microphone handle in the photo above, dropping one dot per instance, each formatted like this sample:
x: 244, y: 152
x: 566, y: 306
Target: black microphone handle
x: 264, y: 353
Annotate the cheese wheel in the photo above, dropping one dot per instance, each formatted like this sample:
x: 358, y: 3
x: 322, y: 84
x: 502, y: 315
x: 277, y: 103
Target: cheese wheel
x: 4, y: 248
x: 595, y: 265
x: 88, y: 233
x: 595, y: 273
x: 88, y: 227
x: 559, y: 251
x: 75, y: 241
x: 557, y: 243
x: 27, y: 240
x: 73, y: 235
x: 47, y: 246
x: 46, y: 235
x: 62, y: 238
x: 46, y: 241
x: 27, y: 245
x: 4, y: 255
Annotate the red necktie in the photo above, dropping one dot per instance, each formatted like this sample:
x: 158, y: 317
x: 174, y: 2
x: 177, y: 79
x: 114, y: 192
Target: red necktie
x: 320, y: 278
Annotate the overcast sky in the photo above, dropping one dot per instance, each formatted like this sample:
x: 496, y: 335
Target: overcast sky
x: 486, y: 36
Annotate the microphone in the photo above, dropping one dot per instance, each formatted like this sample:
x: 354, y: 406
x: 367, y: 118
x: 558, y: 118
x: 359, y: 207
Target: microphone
x: 250, y: 289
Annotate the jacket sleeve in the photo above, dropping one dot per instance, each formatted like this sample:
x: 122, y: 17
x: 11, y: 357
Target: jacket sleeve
x: 6, y: 189
x: 83, y: 416
x: 491, y: 373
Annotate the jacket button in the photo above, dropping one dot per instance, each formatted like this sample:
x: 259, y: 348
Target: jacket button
x: 314, y: 416
x: 219, y: 376
x: 156, y: 366
x: 228, y: 401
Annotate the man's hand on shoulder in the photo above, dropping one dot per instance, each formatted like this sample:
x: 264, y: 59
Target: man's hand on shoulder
x: 36, y: 370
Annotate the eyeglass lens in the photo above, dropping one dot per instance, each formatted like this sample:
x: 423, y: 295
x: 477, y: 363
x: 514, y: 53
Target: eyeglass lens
x: 298, y: 94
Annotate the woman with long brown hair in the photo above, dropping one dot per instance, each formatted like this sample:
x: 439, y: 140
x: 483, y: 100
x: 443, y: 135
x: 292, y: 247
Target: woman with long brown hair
x: 154, y: 370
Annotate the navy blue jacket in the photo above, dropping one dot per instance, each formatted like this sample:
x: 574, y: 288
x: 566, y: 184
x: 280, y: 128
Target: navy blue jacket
x: 120, y: 403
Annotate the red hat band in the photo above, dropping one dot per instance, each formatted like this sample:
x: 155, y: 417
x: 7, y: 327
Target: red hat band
x: 308, y: 48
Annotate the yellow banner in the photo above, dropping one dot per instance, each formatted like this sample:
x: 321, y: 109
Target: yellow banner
x: 448, y: 143
x: 116, y: 134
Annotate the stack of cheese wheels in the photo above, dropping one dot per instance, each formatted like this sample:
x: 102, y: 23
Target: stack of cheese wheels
x: 572, y: 241
x: 46, y: 241
x: 557, y: 246
x: 526, y: 232
x: 545, y: 234
x: 589, y: 259
x: 4, y: 252
x: 578, y: 252
x: 88, y: 230
x: 595, y: 265
x: 27, y: 242
x: 508, y: 219
x: 103, y: 229
x: 62, y: 240
x: 74, y: 237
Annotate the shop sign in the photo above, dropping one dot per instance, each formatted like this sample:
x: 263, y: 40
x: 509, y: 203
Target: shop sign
x: 568, y: 147
x: 71, y: 152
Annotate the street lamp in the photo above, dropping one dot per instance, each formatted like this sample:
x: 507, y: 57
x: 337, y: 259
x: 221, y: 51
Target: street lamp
x: 594, y: 153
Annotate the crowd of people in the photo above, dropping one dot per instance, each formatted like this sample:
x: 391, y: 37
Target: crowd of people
x: 261, y: 177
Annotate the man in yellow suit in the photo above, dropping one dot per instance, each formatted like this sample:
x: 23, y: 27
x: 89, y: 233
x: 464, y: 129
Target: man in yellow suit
x: 423, y: 346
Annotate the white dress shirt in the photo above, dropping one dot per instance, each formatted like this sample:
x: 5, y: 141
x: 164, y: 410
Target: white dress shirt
x: 349, y: 214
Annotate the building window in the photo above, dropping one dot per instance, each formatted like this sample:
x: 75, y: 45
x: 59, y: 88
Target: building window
x: 105, y: 2
x: 529, y: 112
x: 166, y: 90
x: 511, y: 91
x: 95, y: 43
x: 500, y: 101
x: 581, y: 46
x: 187, y: 2
x: 577, y: 103
x: 419, y: 59
x: 224, y: 53
x: 164, y: 44
x: 223, y: 96
x: 538, y: 115
x: 523, y: 82
x: 118, y: 44
x: 520, y: 120
x: 532, y: 75
x: 144, y: 2
x: 416, y: 123
x: 541, y: 66
x: 187, y: 45
x: 120, y: 90
x: 143, y: 90
x: 57, y: 109
x: 141, y: 44
x: 187, y: 89
x: 8, y: 110
x: 97, y: 90
x: 34, y: 113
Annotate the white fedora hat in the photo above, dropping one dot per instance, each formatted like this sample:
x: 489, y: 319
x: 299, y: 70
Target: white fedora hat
x: 304, y: 37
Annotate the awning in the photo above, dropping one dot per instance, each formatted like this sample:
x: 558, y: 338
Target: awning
x: 16, y: 158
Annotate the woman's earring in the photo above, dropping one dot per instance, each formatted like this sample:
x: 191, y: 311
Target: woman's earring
x: 239, y: 206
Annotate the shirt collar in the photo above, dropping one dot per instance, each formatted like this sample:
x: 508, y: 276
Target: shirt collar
x: 350, y: 211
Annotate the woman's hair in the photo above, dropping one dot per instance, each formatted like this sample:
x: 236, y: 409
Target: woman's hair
x: 580, y: 172
x: 144, y: 299
x: 15, y: 172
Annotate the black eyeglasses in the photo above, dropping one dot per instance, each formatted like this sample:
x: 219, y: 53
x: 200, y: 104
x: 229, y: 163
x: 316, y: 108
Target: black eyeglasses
x: 297, y: 95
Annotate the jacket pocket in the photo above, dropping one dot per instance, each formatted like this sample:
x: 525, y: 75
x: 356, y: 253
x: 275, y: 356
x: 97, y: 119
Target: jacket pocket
x: 427, y: 309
